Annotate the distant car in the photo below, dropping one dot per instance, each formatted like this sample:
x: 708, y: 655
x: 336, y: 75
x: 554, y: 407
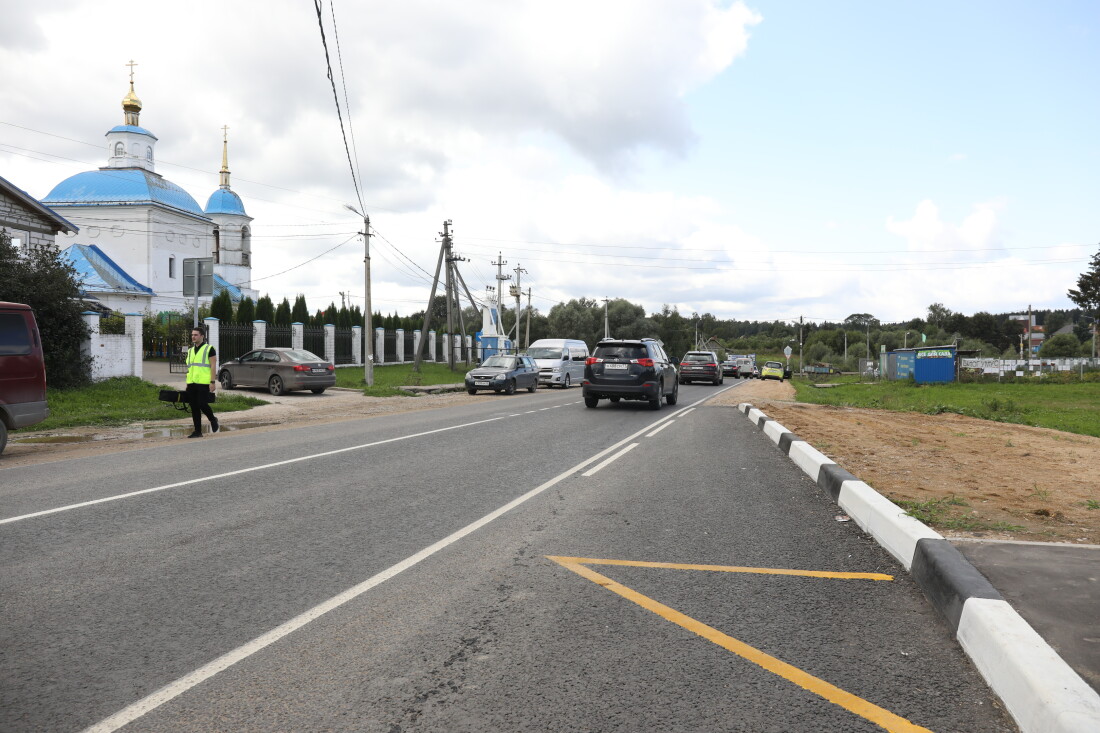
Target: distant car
x: 700, y: 365
x: 630, y: 369
x: 729, y: 369
x: 279, y: 369
x: 744, y: 367
x: 503, y: 373
x: 772, y: 370
x: 755, y: 373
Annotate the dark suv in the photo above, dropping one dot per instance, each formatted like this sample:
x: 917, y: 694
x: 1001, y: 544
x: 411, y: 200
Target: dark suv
x: 630, y: 369
x: 701, y: 365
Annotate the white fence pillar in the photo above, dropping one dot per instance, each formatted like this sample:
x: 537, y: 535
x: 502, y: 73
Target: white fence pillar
x: 297, y: 336
x: 259, y: 334
x: 330, y: 343
x: 431, y: 345
x: 400, y: 345
x: 416, y: 342
x: 447, y: 346
x: 357, y: 345
x: 213, y: 332
x: 133, y: 332
x: 379, y: 345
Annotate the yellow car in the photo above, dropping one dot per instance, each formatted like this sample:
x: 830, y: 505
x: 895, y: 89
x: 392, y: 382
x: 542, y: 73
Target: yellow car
x: 772, y: 370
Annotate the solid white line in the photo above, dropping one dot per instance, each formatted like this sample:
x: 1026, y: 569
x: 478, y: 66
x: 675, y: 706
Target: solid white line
x: 687, y: 410
x: 612, y: 459
x: 240, y: 471
x: 175, y: 689
x: 665, y: 425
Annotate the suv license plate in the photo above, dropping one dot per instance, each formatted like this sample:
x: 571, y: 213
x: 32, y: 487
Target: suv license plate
x: 481, y: 383
x: 616, y: 366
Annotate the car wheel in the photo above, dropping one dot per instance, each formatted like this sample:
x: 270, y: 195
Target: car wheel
x: 510, y: 388
x: 567, y: 382
x: 533, y: 387
x: 471, y: 391
x: 670, y: 399
x: 655, y: 403
x: 226, y: 379
x: 3, y: 436
x: 275, y: 385
x: 591, y: 401
x: 317, y: 390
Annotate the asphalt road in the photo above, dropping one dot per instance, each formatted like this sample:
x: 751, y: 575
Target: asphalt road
x: 419, y: 572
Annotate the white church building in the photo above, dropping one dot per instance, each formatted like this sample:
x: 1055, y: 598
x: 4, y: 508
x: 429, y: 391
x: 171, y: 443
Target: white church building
x: 136, y: 227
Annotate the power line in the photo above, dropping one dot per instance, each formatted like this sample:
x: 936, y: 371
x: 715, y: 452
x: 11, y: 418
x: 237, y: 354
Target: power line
x: 339, y: 115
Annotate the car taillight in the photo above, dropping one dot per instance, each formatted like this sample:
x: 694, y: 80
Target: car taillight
x: 301, y: 368
x: 592, y: 360
x: 713, y: 365
x: 331, y: 368
x: 644, y: 362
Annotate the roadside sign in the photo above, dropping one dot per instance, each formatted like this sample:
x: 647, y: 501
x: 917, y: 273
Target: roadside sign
x: 787, y: 351
x: 200, y: 269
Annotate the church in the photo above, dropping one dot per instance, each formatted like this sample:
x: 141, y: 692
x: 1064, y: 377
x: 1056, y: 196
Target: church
x: 136, y: 227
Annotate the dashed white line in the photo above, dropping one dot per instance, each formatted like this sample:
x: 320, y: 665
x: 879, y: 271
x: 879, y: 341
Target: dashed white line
x: 665, y: 425
x: 612, y: 459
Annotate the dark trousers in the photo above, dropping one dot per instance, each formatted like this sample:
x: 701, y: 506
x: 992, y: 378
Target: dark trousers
x: 198, y: 396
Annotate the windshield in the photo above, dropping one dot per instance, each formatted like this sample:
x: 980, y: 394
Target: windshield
x: 773, y: 364
x: 699, y: 357
x: 545, y: 352
x: 505, y: 362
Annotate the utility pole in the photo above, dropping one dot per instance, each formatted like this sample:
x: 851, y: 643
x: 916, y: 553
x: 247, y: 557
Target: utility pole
x: 1029, y: 334
x: 368, y: 331
x: 606, y: 323
x: 517, y: 293
x: 501, y: 277
x: 452, y: 275
x: 800, y: 344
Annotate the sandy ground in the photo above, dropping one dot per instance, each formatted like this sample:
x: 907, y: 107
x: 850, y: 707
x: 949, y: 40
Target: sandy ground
x: 1038, y: 479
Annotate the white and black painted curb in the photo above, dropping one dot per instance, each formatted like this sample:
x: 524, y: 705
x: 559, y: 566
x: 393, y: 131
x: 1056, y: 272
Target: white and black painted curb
x: 1041, y: 692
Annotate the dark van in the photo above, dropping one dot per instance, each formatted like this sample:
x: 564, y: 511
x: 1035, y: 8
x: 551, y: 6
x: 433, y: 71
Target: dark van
x: 22, y: 371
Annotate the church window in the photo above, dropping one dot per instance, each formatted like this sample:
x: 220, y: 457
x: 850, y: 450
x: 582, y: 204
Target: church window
x: 120, y: 149
x: 172, y: 266
x: 246, y: 239
x: 217, y: 244
x: 149, y: 153
x: 246, y: 259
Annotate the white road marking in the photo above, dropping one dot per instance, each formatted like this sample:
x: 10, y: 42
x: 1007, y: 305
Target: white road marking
x: 612, y: 459
x: 175, y: 689
x: 665, y: 425
x: 687, y: 411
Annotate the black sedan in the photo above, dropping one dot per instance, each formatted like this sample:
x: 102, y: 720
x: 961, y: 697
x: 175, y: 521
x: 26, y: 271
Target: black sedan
x: 505, y: 374
x: 280, y: 370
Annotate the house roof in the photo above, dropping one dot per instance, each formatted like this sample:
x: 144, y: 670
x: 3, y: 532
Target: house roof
x: 59, y: 223
x: 98, y: 273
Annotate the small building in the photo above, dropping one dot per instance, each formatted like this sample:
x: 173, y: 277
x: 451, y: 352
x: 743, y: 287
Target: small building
x: 29, y: 223
x: 927, y: 364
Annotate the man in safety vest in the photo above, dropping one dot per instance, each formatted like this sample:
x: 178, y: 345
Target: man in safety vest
x: 202, y: 371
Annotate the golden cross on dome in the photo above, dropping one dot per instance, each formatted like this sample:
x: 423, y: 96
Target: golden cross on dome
x: 131, y: 65
x: 225, y: 133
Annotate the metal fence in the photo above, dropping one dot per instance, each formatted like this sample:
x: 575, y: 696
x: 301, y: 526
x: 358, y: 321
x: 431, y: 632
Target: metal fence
x: 279, y: 336
x: 389, y: 347
x: 343, y: 347
x: 168, y: 339
x: 410, y: 348
x: 234, y: 340
x: 314, y: 340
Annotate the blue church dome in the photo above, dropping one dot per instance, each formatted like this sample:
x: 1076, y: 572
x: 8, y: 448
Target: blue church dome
x: 131, y: 128
x: 224, y: 201
x: 121, y: 186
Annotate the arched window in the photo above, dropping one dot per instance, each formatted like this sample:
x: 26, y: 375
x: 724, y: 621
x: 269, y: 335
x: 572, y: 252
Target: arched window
x: 246, y: 239
x: 217, y: 244
x: 149, y: 153
x: 120, y: 149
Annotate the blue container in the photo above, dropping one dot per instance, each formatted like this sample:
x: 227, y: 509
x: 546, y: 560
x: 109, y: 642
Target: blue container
x: 935, y: 365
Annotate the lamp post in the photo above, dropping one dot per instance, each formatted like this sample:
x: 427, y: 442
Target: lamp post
x: 905, y: 340
x: 368, y: 332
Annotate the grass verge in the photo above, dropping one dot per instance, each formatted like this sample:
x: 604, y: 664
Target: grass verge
x: 119, y: 401
x: 1071, y: 407
x: 945, y: 513
x: 388, y: 378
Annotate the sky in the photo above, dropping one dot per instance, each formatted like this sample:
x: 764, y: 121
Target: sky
x: 754, y: 160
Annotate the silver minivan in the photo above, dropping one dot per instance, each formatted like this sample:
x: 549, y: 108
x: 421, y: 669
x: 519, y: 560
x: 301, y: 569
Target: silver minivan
x: 560, y: 361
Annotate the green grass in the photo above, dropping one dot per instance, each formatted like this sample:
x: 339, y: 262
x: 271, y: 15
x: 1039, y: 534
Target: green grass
x: 388, y: 378
x: 1071, y: 407
x: 943, y: 514
x: 120, y: 401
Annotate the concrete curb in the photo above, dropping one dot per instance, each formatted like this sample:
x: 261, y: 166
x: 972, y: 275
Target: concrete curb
x: 1041, y: 692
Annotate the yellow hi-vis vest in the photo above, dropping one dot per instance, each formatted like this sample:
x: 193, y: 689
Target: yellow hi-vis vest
x: 198, y: 365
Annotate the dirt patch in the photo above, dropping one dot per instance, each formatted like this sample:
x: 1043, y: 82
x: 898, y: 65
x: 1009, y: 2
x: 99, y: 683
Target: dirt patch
x: 981, y: 474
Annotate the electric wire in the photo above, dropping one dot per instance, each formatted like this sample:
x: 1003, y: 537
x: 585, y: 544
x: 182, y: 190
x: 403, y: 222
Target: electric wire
x: 339, y: 114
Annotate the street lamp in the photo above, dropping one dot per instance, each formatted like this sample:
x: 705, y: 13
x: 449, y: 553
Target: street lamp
x: 368, y: 332
x: 905, y: 340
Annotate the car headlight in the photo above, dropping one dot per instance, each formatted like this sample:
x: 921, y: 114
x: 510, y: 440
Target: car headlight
x: 498, y: 377
x: 556, y: 369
